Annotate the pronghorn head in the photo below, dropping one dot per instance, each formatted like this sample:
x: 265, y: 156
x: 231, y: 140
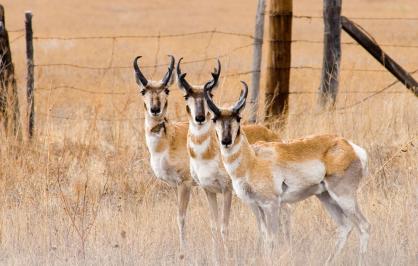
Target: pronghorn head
x: 155, y: 92
x: 196, y: 105
x: 227, y: 120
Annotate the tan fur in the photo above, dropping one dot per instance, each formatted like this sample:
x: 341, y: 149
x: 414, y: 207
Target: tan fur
x: 256, y: 133
x: 335, y: 152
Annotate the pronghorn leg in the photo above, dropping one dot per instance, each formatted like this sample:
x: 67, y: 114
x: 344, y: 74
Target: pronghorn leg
x: 263, y: 224
x: 342, y: 190
x: 285, y: 221
x: 214, y: 221
x: 271, y: 214
x: 183, y: 197
x: 344, y: 224
x: 260, y: 224
x: 351, y: 209
x: 225, y: 217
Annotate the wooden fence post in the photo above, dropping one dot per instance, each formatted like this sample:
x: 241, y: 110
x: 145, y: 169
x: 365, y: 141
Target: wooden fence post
x: 29, y: 77
x: 9, y: 101
x: 278, y: 65
x: 257, y: 55
x: 328, y: 88
x: 371, y: 46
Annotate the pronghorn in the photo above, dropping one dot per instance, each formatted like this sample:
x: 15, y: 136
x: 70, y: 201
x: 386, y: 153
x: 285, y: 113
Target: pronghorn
x: 326, y: 166
x: 166, y: 141
x: 206, y: 166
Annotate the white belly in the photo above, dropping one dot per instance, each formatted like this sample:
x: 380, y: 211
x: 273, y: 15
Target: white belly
x: 160, y: 164
x: 299, y: 175
x: 209, y: 174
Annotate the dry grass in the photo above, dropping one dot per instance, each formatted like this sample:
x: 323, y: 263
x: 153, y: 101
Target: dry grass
x: 83, y: 191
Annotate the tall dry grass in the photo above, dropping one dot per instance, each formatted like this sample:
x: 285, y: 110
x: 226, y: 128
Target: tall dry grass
x: 82, y: 191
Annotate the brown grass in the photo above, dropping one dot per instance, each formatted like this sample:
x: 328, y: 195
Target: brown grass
x: 83, y: 192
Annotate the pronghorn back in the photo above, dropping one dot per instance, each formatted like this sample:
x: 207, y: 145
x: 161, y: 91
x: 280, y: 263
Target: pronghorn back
x: 335, y: 152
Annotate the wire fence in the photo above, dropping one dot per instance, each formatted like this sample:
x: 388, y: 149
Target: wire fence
x: 206, y: 58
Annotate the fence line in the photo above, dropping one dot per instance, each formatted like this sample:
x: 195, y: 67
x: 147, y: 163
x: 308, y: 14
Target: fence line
x: 202, y: 33
x: 159, y: 36
x: 85, y: 90
x: 93, y: 68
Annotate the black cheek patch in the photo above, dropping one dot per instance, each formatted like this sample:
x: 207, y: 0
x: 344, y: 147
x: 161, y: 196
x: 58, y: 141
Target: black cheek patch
x: 145, y: 107
x: 188, y: 109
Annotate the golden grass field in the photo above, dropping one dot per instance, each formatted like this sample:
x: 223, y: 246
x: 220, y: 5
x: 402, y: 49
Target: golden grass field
x: 82, y: 192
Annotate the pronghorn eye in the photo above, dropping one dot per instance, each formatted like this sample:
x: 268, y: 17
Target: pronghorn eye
x: 167, y: 91
x: 238, y: 119
x: 186, y: 97
x: 143, y: 92
x: 214, y: 119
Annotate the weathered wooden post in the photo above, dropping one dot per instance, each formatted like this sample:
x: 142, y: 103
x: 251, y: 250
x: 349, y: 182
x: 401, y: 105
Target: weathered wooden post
x: 257, y: 55
x: 374, y: 49
x: 278, y: 65
x: 328, y: 88
x: 29, y: 77
x: 9, y: 101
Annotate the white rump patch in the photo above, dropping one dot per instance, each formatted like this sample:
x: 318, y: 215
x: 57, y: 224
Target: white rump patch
x: 362, y: 155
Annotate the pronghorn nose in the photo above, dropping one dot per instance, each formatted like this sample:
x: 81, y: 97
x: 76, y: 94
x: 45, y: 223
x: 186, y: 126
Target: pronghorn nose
x: 155, y: 110
x: 200, y: 118
x: 226, y: 141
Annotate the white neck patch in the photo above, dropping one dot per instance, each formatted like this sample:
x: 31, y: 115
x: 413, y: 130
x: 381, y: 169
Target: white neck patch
x: 198, y: 130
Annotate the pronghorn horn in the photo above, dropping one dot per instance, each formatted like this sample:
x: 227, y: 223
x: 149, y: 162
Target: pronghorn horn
x: 212, y: 106
x: 140, y: 79
x: 241, y: 102
x: 182, y: 79
x: 167, y: 76
x: 215, y: 77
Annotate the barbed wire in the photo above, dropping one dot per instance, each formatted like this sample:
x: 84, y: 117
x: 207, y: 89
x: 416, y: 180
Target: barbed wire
x: 361, y: 18
x: 148, y: 36
x: 374, y: 94
x: 17, y: 38
x: 99, y: 68
x: 15, y: 30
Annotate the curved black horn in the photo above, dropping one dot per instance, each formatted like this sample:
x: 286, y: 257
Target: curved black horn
x: 167, y: 76
x: 212, y: 106
x: 215, y: 77
x: 182, y: 78
x: 243, y: 97
x: 140, y: 79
